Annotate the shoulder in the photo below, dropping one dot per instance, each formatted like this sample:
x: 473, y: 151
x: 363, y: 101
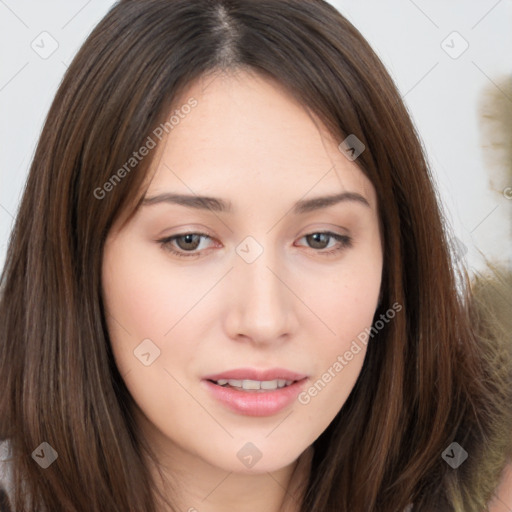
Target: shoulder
x: 502, y: 499
x: 5, y: 476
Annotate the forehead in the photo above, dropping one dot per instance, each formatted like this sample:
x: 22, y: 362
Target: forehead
x: 247, y: 134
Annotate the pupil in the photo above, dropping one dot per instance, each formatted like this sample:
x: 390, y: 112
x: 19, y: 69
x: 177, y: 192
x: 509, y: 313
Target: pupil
x: 316, y: 237
x: 188, y: 239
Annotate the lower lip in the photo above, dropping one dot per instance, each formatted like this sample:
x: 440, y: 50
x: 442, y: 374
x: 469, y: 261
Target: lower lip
x: 256, y: 403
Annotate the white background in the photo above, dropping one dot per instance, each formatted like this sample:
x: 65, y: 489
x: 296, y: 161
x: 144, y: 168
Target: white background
x: 442, y: 94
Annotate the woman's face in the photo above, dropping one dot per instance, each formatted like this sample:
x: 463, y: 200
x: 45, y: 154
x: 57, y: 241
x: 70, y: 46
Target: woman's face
x: 259, y: 297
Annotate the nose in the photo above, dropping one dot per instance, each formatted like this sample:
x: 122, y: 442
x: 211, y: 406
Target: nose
x: 261, y: 305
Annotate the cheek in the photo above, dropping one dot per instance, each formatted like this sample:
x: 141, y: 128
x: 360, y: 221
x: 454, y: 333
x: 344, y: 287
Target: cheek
x: 141, y: 309
x: 346, y: 306
x: 345, y: 299
x: 144, y: 296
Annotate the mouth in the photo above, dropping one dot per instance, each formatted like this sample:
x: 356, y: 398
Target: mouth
x: 252, y: 392
x: 253, y: 386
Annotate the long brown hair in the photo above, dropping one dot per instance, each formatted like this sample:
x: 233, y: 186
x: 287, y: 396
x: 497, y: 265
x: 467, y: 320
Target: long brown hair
x: 426, y: 380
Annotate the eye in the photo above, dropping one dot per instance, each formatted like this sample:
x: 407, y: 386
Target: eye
x: 188, y: 243
x: 319, y: 239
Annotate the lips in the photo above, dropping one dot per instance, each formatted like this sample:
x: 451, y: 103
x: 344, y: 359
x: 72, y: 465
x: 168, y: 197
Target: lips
x: 254, y: 392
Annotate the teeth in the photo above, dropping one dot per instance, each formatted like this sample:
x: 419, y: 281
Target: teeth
x: 270, y: 384
x: 252, y: 385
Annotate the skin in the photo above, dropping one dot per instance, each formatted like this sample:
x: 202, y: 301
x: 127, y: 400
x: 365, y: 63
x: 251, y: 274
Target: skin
x: 502, y: 498
x: 248, y: 142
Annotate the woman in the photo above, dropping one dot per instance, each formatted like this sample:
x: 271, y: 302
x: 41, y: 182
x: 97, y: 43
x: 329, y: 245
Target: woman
x: 314, y: 350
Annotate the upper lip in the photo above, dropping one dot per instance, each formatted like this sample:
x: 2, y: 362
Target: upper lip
x: 255, y: 374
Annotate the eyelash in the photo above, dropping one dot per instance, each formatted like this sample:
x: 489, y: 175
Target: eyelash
x: 344, y: 241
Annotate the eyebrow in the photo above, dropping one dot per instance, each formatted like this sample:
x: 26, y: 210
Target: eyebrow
x: 220, y: 205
